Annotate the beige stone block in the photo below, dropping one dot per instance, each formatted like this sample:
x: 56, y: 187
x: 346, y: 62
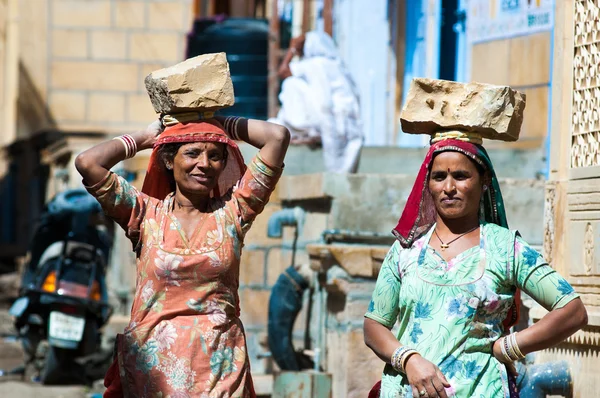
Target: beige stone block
x: 145, y: 70
x: 257, y: 234
x: 356, y: 260
x: 155, y: 47
x: 108, y: 45
x: 71, y: 43
x: 199, y: 83
x: 252, y: 267
x: 94, y: 76
x: 490, y: 62
x: 107, y: 107
x: 65, y: 106
x: 91, y: 13
x: 169, y: 15
x: 535, y: 123
x: 254, y: 306
x: 139, y: 109
x: 495, y: 112
x: 530, y: 59
x: 130, y: 14
x: 301, y: 187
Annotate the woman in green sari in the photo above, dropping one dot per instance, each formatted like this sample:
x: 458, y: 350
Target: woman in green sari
x: 452, y: 281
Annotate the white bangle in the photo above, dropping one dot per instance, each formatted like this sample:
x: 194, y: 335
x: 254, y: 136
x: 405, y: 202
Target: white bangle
x: 129, y: 144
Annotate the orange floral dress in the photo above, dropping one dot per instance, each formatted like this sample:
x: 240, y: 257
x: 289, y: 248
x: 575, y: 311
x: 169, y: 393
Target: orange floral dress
x: 185, y: 338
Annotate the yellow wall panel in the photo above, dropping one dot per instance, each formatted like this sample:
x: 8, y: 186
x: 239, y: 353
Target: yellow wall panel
x: 530, y: 59
x: 490, y: 62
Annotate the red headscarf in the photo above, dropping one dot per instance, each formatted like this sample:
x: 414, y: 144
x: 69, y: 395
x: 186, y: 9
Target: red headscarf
x: 157, y: 183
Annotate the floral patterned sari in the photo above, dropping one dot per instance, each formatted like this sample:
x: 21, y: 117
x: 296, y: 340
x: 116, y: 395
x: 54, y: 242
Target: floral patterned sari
x: 185, y: 338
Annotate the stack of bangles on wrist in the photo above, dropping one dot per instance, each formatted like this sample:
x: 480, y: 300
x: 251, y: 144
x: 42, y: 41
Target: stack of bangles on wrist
x: 231, y: 127
x: 130, y: 145
x: 400, y: 356
x: 510, y: 348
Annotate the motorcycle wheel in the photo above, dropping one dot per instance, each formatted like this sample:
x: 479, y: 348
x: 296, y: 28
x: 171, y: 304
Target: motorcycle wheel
x: 61, y: 368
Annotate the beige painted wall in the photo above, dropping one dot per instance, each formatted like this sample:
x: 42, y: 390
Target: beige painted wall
x: 524, y: 64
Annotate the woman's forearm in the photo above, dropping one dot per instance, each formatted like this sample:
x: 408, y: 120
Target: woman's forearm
x: 94, y: 163
x: 553, y: 328
x: 380, y: 339
x: 284, y: 70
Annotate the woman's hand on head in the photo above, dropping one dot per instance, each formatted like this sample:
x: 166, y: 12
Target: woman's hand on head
x: 298, y: 43
x: 425, y: 376
x: 151, y: 133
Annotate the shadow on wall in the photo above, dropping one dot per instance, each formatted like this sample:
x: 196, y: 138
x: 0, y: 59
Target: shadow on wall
x: 23, y: 175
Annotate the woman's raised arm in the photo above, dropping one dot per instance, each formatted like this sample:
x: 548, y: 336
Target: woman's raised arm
x: 272, y: 139
x: 94, y: 163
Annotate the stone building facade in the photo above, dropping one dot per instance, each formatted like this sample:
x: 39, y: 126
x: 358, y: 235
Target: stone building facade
x: 572, y: 216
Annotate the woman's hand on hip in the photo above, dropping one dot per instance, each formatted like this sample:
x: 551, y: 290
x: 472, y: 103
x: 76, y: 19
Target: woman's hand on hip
x: 497, y: 352
x: 425, y: 378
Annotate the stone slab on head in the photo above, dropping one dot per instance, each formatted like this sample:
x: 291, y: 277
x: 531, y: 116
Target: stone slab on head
x: 494, y: 112
x: 202, y: 83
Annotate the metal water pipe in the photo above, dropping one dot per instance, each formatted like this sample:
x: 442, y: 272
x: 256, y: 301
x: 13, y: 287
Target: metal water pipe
x: 286, y: 217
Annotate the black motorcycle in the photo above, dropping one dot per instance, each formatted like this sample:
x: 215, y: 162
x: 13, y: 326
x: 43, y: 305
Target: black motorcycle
x: 63, y: 297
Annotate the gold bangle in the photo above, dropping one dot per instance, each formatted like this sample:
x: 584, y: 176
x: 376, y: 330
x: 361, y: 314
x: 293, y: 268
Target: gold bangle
x: 407, y: 354
x: 515, y: 346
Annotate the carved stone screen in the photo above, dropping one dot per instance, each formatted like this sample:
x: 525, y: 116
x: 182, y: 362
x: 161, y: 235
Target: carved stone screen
x: 572, y: 213
x: 585, y: 142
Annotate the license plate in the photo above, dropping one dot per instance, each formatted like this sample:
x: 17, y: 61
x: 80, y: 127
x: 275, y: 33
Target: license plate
x: 66, y: 327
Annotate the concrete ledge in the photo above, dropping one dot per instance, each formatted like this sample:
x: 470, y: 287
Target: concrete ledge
x: 303, y: 187
x: 263, y: 384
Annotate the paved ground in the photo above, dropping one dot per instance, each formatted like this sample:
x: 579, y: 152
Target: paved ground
x: 11, y: 355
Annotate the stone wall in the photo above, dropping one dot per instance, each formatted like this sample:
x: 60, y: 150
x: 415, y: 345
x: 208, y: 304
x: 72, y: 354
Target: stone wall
x: 101, y: 50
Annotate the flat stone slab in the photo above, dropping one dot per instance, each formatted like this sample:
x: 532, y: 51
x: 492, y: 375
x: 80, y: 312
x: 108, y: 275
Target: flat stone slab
x: 198, y: 84
x: 357, y: 260
x: 494, y: 112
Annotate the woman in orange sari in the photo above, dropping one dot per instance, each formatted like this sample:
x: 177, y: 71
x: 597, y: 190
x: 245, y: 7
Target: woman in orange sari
x: 187, y: 226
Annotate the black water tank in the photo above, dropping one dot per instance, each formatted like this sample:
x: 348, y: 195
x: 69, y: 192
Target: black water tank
x: 246, y: 43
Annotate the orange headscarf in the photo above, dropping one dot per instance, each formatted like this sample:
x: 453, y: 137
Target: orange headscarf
x: 157, y: 183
